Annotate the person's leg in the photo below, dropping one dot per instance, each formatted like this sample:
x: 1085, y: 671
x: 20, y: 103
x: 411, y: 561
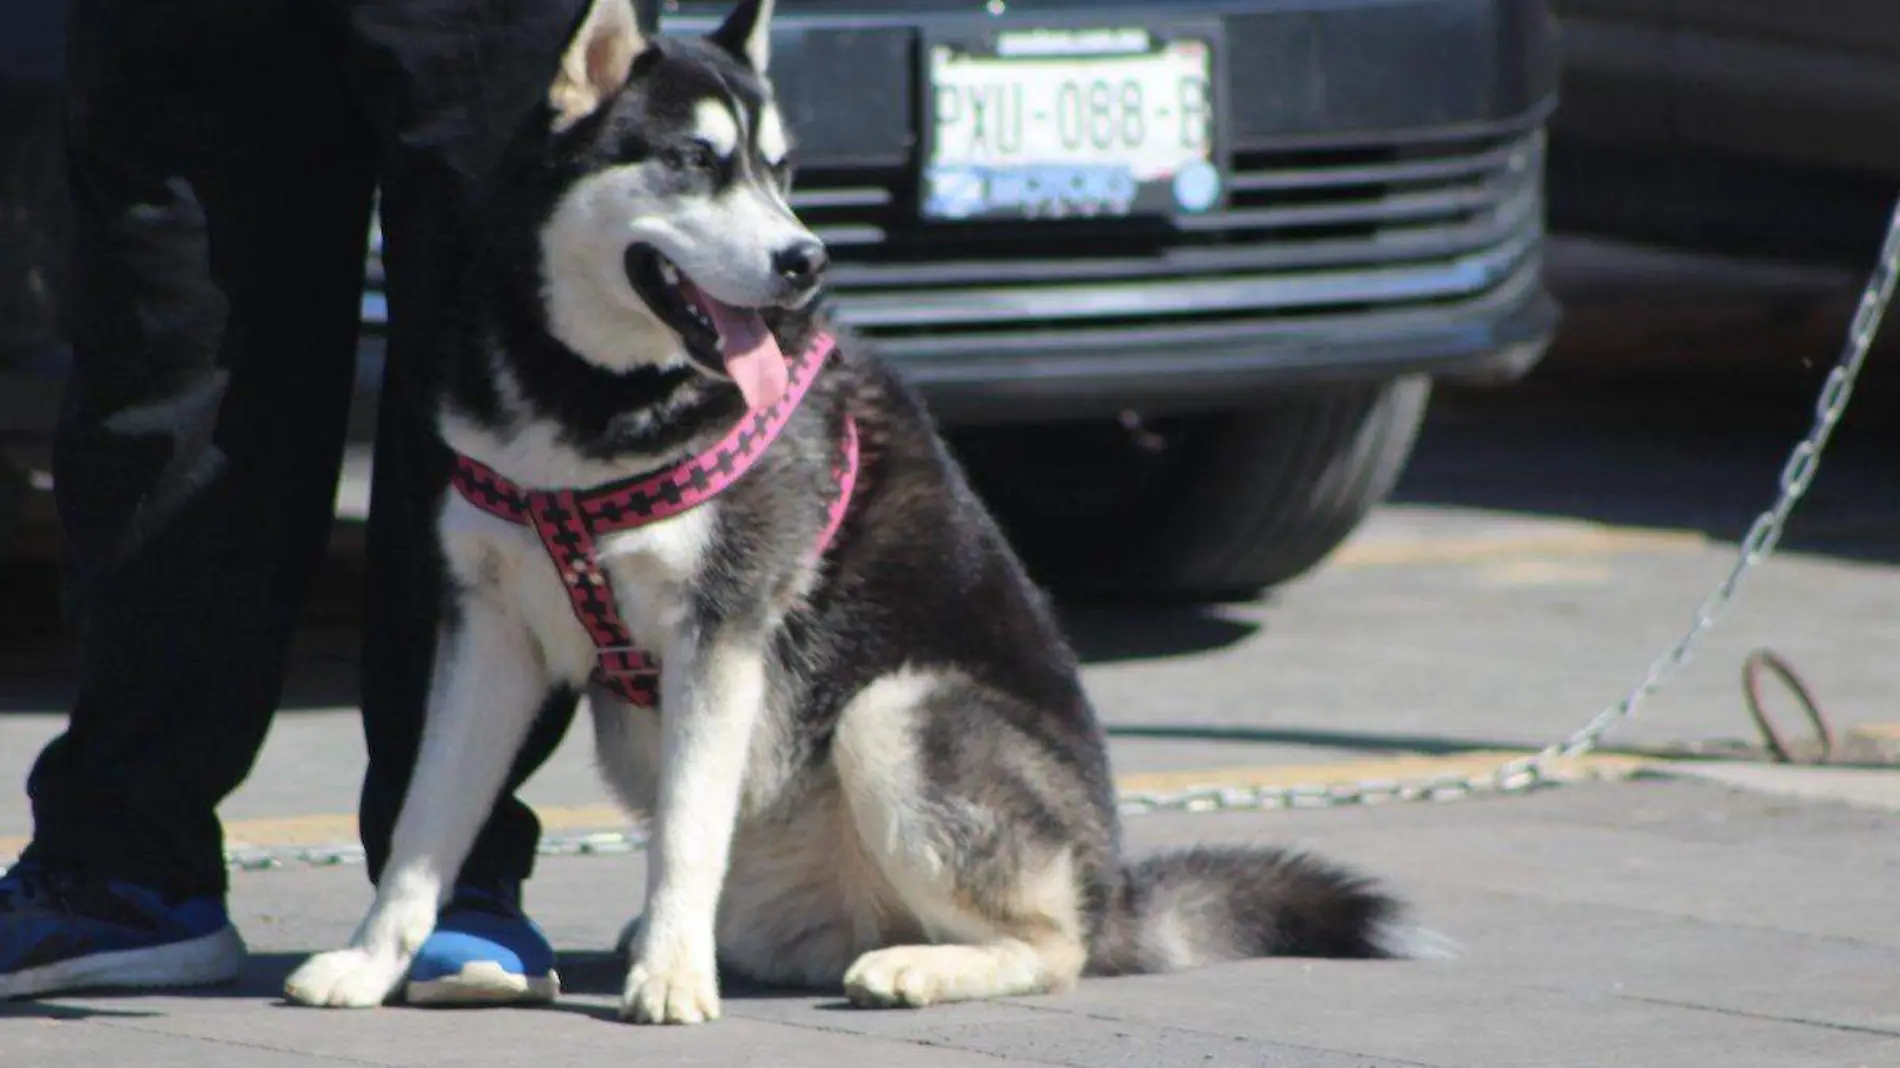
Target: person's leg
x: 221, y: 181
x: 446, y: 83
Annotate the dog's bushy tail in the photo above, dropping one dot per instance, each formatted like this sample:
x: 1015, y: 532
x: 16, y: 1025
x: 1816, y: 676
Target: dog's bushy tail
x: 1186, y: 909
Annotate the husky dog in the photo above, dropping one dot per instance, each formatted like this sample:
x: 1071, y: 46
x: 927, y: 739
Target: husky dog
x: 871, y: 762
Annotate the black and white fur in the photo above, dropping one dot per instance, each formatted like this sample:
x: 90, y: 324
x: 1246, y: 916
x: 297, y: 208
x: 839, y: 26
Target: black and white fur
x: 875, y: 769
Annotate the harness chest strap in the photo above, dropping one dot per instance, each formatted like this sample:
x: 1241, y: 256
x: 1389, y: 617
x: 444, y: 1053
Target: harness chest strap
x: 570, y: 522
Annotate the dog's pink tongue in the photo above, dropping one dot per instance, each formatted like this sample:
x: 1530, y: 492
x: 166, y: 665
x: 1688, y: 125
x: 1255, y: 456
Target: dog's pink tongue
x: 752, y: 354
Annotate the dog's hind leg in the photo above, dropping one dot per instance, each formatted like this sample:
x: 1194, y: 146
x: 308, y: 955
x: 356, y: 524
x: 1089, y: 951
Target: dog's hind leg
x: 1033, y: 950
x: 488, y: 685
x: 997, y: 893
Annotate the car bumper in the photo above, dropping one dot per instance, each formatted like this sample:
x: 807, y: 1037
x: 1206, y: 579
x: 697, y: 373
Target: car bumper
x: 1495, y: 337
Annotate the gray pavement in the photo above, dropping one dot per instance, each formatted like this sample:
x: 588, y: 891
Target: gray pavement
x: 1545, y: 545
x: 1659, y: 923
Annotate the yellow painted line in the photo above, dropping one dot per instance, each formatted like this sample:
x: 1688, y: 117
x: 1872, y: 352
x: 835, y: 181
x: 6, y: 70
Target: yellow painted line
x: 1867, y: 743
x: 338, y: 829
x: 1573, y: 545
x: 1884, y: 732
x: 327, y: 830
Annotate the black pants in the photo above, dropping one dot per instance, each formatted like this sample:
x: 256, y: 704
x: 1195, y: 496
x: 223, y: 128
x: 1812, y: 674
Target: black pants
x: 223, y: 157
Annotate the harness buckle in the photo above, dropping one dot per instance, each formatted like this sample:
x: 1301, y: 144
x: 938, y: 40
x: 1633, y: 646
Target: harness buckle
x: 625, y: 660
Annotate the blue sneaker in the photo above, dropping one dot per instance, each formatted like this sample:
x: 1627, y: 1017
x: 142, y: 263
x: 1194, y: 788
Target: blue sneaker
x: 485, y: 951
x: 61, y: 930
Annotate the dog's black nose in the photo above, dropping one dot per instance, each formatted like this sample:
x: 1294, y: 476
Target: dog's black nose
x: 800, y: 263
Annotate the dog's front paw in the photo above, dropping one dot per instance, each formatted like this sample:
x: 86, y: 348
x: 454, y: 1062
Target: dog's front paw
x: 344, y: 979
x: 675, y: 994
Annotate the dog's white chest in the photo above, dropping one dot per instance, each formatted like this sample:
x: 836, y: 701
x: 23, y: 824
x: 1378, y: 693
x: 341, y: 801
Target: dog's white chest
x: 651, y: 569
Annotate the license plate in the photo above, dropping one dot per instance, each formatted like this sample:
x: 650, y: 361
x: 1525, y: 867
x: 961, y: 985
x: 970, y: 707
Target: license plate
x: 1065, y: 123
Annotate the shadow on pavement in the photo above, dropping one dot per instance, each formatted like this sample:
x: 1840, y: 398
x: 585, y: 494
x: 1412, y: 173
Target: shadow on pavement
x: 58, y: 1012
x: 262, y: 979
x: 1109, y: 634
x: 1695, y: 452
x: 603, y: 974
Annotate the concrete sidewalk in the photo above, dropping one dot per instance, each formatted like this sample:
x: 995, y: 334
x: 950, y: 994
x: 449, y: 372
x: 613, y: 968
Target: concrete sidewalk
x: 1659, y: 922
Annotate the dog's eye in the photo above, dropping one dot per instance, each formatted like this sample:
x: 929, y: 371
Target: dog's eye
x: 694, y: 156
x: 781, y: 171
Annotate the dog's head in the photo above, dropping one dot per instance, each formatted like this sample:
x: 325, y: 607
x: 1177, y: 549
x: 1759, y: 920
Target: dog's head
x: 672, y: 231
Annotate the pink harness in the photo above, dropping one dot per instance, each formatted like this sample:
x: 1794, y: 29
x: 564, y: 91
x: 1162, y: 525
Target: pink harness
x: 570, y: 522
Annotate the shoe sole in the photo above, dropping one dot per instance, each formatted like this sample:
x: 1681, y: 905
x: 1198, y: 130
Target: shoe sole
x: 204, y: 961
x: 483, y: 982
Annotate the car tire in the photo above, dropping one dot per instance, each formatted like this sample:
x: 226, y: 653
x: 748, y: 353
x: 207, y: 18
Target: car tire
x: 1206, y: 507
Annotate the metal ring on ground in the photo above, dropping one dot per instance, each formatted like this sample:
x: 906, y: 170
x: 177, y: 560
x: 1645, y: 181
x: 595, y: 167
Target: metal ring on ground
x: 1752, y: 668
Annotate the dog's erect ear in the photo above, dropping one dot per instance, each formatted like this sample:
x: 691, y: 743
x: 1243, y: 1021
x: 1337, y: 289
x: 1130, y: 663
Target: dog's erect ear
x: 747, y: 33
x: 597, y: 61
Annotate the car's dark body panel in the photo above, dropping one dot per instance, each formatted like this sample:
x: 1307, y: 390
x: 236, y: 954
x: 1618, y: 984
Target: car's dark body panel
x: 1755, y: 126
x: 1386, y: 214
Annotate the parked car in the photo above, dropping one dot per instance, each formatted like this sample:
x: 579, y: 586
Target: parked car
x: 1763, y: 127
x: 1178, y: 275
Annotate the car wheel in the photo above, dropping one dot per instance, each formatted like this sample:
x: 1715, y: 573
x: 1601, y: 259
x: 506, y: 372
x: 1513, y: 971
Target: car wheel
x: 1196, y: 507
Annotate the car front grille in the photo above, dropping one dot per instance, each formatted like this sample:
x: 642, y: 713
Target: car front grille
x: 1308, y: 233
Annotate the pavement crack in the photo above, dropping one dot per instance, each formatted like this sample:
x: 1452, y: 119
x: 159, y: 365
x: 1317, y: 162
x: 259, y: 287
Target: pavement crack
x: 1121, y: 1021
x: 1769, y: 1017
x: 1685, y: 917
x: 906, y: 1040
x: 241, y: 1044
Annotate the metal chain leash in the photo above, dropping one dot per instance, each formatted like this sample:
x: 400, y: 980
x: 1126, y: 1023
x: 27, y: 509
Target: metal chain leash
x: 265, y: 858
x: 1531, y: 772
x: 1516, y: 776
